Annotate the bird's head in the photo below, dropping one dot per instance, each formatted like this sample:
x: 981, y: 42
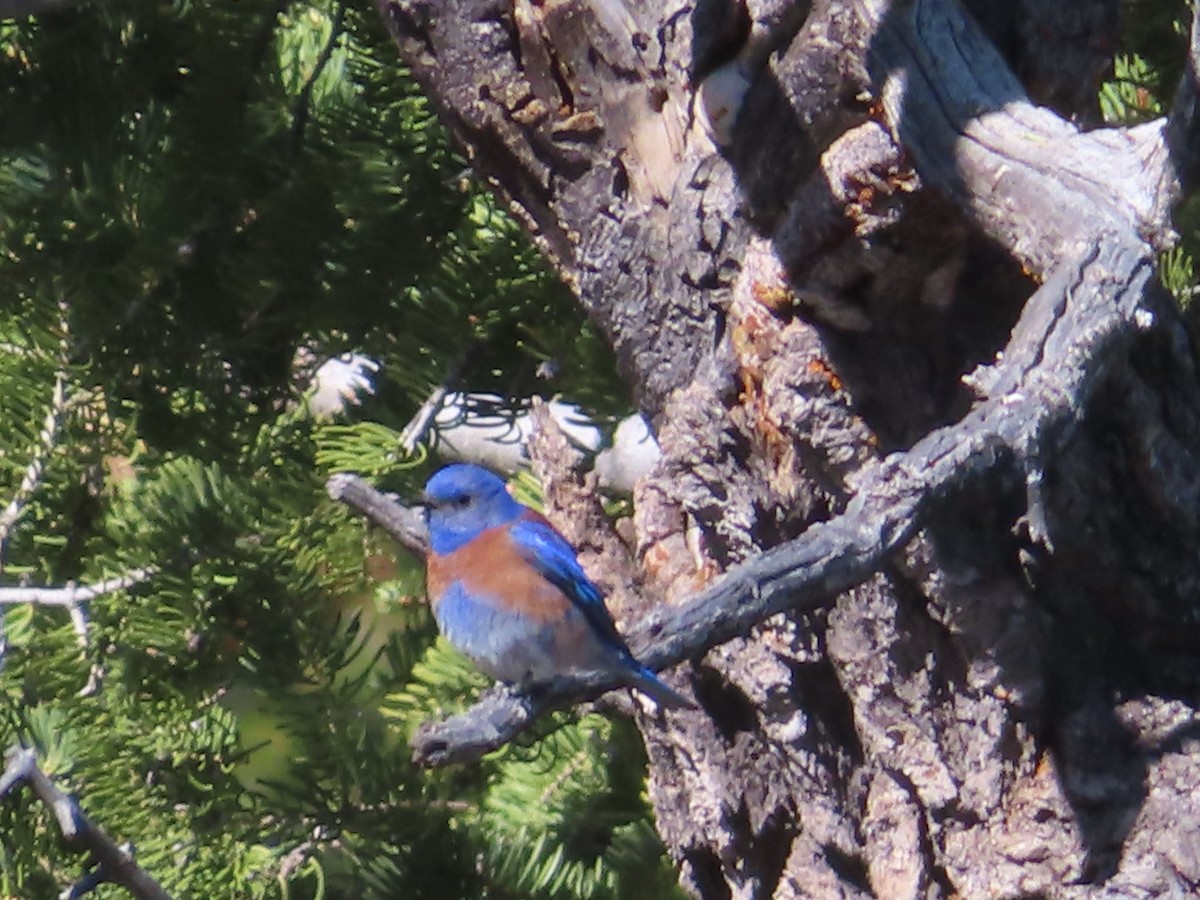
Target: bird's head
x: 464, y: 500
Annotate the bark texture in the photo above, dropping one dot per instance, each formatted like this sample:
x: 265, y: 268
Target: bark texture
x: 919, y: 395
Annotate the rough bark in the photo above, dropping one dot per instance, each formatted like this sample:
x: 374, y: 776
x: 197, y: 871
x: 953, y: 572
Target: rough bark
x: 917, y: 392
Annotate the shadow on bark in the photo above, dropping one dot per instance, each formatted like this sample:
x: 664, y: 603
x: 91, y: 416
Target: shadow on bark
x: 907, y: 296
x: 1107, y: 566
x: 985, y: 565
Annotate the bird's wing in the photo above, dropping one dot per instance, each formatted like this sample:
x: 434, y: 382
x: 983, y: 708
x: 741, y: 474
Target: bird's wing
x: 550, y: 554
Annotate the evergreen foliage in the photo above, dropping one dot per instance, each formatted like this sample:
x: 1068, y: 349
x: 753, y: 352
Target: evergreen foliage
x: 200, y: 202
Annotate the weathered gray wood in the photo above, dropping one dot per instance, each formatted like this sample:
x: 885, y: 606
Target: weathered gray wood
x: 955, y: 648
x: 1031, y: 396
x: 404, y: 523
x: 966, y: 120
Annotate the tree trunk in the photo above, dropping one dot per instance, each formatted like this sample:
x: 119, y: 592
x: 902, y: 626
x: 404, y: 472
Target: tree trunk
x: 897, y: 321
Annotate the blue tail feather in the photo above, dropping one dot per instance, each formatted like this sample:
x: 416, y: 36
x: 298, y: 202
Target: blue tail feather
x: 653, y: 687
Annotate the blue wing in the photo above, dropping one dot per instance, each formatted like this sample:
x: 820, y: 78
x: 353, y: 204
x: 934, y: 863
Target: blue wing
x: 550, y: 554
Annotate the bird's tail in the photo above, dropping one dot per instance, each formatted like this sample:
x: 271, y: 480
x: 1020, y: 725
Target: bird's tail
x: 650, y: 685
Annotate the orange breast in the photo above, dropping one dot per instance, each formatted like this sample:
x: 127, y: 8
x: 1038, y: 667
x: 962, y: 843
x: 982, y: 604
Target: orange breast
x: 491, y: 568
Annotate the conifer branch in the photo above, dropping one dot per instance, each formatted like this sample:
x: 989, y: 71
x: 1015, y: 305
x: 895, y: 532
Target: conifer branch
x: 110, y: 862
x: 47, y: 440
x: 74, y: 594
x: 75, y: 597
x: 302, y: 108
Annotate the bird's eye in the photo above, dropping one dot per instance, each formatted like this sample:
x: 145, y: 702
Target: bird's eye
x: 461, y: 501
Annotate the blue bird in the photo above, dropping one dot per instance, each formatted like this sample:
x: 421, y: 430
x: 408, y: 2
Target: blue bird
x: 507, y: 590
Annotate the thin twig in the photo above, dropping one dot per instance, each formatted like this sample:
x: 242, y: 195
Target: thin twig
x: 113, y: 863
x: 418, y: 426
x: 47, y: 440
x: 74, y: 594
x: 405, y: 524
x: 75, y: 598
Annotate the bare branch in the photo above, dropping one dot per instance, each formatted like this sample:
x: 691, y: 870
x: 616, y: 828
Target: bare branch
x: 418, y: 426
x: 1070, y: 330
x: 970, y: 128
x: 113, y: 863
x: 74, y: 594
x: 421, y: 423
x: 74, y: 597
x: 1082, y: 211
x: 406, y: 525
x: 1090, y: 199
x: 1072, y: 327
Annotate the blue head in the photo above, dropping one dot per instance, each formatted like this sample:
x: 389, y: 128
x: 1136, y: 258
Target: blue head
x: 464, y: 500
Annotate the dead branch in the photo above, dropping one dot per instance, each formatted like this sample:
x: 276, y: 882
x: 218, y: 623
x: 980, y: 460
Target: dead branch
x: 74, y: 594
x: 47, y: 440
x: 1084, y: 225
x: 405, y: 524
x: 112, y: 863
x: 1072, y: 327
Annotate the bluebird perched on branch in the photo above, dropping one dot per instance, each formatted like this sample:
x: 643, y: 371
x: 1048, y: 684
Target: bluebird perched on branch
x: 508, y: 591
